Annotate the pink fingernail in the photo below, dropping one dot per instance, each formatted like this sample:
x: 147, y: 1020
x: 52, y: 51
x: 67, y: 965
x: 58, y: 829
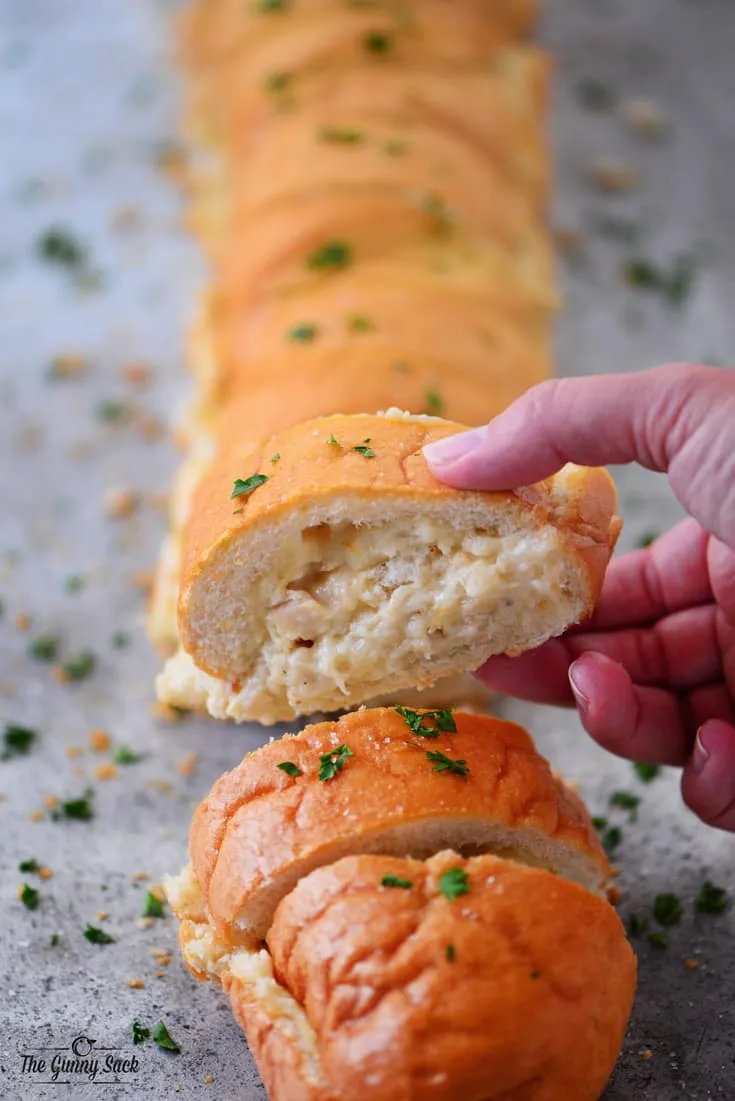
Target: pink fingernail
x: 451, y: 448
x: 581, y: 699
x: 700, y: 753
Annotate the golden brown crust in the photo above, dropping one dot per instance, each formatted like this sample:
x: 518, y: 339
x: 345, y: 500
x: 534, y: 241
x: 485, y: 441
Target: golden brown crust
x: 258, y: 823
x: 396, y: 1019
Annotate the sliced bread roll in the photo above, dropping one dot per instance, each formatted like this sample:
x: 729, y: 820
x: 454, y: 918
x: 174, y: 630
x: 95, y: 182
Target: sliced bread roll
x: 345, y: 571
x: 391, y: 967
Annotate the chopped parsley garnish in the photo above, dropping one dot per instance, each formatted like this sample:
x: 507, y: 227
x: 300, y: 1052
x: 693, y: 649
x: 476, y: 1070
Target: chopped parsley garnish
x: 667, y: 909
x: 626, y: 801
x: 111, y: 411
x: 341, y: 135
x: 332, y: 254
x: 396, y: 881
x: 436, y: 208
x: 164, y: 1039
x: 395, y: 148
x: 359, y: 324
x: 302, y: 333
x: 54, y: 940
x: 98, y: 936
x: 275, y: 458
x: 453, y: 883
x: 31, y: 865
x: 152, y: 907
x: 333, y: 762
x: 140, y: 1033
x: 674, y: 284
x: 594, y: 95
x: 434, y: 401
x: 58, y: 246
x: 402, y: 368
x: 79, y: 809
x: 80, y: 666
x: 416, y: 721
x: 535, y: 974
x: 611, y: 838
x: 658, y: 940
x: 599, y: 822
x: 647, y: 539
x: 278, y: 82
x: 442, y: 763
x: 120, y: 640
x: 366, y: 451
x: 244, y: 486
x: 333, y: 440
x: 450, y: 953
x: 289, y: 768
x: 637, y: 925
x: 271, y: 5
x: 44, y: 648
x: 17, y: 741
x: 711, y: 899
x: 75, y: 583
x: 645, y: 772
x: 29, y: 897
x: 377, y: 42
x: 124, y: 755
x: 616, y: 229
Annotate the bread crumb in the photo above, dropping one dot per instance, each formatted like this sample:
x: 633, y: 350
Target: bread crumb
x: 160, y: 974
x: 121, y: 504
x: 137, y: 373
x: 157, y: 890
x: 58, y: 674
x: 161, y: 785
x: 44, y: 873
x: 172, y: 162
x: 74, y: 751
x: 569, y: 241
x: 135, y: 984
x: 646, y: 1053
x: 691, y: 964
x: 611, y: 175
x: 187, y: 764
x: 149, y: 426
x: 67, y: 365
x: 165, y: 713
x: 158, y: 501
x: 106, y: 772
x: 140, y: 875
x: 22, y: 622
x: 142, y: 580
x: 7, y: 688
x: 144, y: 922
x: 644, y: 117
x: 51, y: 801
x: 100, y: 741
x: 37, y: 816
x: 101, y: 915
x: 208, y: 1078
x: 614, y: 895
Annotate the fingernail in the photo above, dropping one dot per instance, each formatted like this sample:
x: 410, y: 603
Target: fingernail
x: 700, y: 753
x: 581, y: 699
x: 447, y: 451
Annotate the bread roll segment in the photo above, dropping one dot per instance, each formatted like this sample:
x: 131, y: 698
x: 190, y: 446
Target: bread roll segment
x: 350, y: 572
x: 388, y: 931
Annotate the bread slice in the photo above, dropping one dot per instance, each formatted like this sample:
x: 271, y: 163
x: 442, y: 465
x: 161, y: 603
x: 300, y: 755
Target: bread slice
x: 261, y: 829
x: 373, y: 978
x: 352, y: 573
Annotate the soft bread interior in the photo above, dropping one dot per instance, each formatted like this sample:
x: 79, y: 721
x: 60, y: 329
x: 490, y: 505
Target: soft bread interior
x: 344, y: 612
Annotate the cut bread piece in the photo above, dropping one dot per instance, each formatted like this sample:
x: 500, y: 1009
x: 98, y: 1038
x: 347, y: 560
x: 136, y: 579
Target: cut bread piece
x: 349, y: 572
x: 262, y: 828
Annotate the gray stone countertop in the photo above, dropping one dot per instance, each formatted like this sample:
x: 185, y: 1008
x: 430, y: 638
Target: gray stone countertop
x: 88, y: 107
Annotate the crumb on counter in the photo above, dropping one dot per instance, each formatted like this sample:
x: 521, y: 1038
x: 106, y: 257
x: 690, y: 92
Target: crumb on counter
x: 106, y: 772
x: 67, y: 365
x: 136, y: 984
x: 100, y: 741
x: 610, y: 175
x: 121, y: 504
x: 23, y: 622
x: 187, y: 765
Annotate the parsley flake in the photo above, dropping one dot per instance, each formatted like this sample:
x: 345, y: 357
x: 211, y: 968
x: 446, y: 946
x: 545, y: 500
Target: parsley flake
x: 674, y: 284
x: 278, y: 82
x: 396, y: 881
x: 78, y: 809
x: 97, y: 936
x: 434, y: 401
x: 164, y: 1039
x: 44, y: 648
x: 667, y: 909
x: 611, y: 838
x: 152, y: 907
x: 54, y: 940
x: 332, y: 254
x: 341, y: 135
x: 626, y: 801
x: 289, y: 768
x: 637, y: 925
x: 302, y: 334
x: 536, y: 974
x: 366, y: 451
x: 442, y: 763
x: 594, y: 95
x: 658, y: 940
x: 75, y: 583
x: 244, y: 486
x: 647, y: 539
x: 395, y: 148
x: 112, y: 411
x: 333, y: 440
x: 120, y: 640
x: 435, y: 206
x: 450, y: 953
x: 17, y: 741
x: 377, y: 42
x: 140, y: 1033
x: 453, y: 883
x: 276, y: 457
x: 124, y: 755
x: 80, y: 666
x: 29, y: 897
x: 711, y: 899
x: 31, y: 865
x: 266, y: 6
x: 333, y: 762
x: 359, y: 324
x: 443, y: 721
x: 58, y: 246
x: 646, y: 773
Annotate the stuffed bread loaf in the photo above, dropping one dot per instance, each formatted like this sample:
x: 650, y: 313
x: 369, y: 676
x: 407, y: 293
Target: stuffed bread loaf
x: 389, y: 926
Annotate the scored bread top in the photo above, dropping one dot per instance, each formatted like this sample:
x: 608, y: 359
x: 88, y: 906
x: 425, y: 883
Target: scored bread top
x: 261, y: 829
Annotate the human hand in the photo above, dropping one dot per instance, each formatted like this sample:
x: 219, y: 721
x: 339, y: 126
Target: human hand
x: 652, y: 673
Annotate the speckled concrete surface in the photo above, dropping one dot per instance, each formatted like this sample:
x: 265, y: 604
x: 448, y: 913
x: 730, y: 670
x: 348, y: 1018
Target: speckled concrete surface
x: 87, y: 105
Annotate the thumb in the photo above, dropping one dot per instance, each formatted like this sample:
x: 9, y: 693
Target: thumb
x: 679, y: 419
